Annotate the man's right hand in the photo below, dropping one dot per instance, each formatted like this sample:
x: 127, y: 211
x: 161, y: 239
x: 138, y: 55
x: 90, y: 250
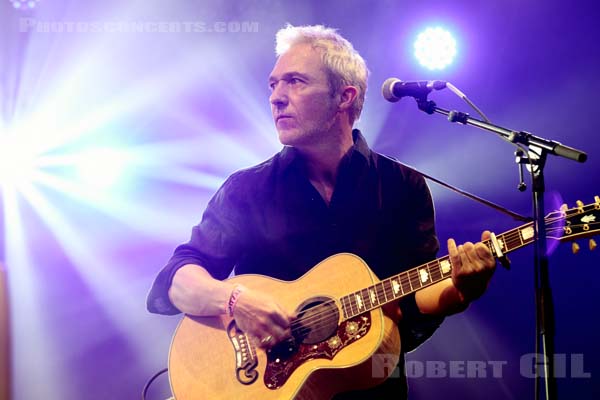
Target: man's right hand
x: 262, y: 318
x: 194, y: 291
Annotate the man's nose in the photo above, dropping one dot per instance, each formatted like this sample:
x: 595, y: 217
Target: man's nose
x: 279, y: 95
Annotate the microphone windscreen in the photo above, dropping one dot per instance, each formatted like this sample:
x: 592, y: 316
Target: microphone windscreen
x: 387, y: 89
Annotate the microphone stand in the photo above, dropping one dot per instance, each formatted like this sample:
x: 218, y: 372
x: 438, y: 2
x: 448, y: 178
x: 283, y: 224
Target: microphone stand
x: 538, y: 150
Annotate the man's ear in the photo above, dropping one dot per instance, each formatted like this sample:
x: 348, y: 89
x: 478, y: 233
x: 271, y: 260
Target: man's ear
x: 347, y: 98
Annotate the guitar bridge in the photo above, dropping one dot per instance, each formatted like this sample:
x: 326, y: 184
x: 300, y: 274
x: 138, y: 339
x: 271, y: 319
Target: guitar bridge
x: 245, y: 356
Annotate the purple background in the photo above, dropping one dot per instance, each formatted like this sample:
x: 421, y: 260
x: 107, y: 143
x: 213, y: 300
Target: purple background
x: 185, y: 109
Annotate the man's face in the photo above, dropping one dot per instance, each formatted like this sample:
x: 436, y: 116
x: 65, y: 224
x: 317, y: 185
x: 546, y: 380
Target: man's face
x: 301, y: 101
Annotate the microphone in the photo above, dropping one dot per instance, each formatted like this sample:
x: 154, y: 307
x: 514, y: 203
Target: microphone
x: 394, y: 89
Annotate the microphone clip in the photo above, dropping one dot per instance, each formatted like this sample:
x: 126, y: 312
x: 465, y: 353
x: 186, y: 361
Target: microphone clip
x: 425, y: 105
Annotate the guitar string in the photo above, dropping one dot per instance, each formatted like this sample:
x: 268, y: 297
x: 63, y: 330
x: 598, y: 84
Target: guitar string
x: 511, y: 236
x: 316, y: 318
x: 319, y: 316
x: 323, y: 318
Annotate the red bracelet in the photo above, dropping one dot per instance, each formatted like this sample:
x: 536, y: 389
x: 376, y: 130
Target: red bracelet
x: 233, y: 298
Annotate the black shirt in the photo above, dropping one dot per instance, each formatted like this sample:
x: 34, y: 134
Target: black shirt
x: 270, y: 220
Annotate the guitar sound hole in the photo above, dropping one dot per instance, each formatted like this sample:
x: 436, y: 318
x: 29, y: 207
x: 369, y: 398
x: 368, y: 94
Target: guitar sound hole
x: 317, y: 319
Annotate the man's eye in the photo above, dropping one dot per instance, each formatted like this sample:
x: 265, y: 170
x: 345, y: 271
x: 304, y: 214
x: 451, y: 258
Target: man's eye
x: 293, y: 81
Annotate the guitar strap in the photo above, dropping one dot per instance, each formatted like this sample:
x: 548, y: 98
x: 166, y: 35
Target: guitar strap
x: 516, y: 216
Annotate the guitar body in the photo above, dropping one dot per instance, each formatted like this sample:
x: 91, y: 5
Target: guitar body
x: 211, y: 359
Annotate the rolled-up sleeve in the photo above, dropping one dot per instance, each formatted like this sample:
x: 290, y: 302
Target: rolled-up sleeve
x: 216, y: 243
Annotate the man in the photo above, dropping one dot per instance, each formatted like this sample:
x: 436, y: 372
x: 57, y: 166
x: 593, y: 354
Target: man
x: 326, y: 192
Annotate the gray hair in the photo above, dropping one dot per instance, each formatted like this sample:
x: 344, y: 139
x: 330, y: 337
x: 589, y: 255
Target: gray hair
x: 344, y: 65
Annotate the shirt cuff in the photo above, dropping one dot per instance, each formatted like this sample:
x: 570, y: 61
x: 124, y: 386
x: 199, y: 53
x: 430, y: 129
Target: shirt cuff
x: 416, y: 327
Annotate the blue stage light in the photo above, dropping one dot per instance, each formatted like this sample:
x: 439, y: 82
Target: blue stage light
x: 435, y: 48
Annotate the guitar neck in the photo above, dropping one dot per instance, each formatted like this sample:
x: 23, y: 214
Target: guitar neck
x: 417, y: 278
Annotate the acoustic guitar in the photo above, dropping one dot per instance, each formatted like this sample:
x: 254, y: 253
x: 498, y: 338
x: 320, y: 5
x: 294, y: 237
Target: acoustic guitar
x: 342, y: 340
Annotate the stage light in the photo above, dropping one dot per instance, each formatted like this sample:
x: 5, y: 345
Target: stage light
x: 435, y: 48
x: 17, y: 160
x: 101, y: 167
x: 99, y: 160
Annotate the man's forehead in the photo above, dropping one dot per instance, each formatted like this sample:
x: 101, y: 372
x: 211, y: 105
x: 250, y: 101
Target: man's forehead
x: 301, y: 58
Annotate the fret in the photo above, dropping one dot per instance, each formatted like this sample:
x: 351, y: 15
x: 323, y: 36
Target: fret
x: 373, y: 297
x: 380, y: 290
x: 527, y: 233
x: 405, y: 283
x: 396, y: 288
x: 445, y: 266
x: 435, y: 270
x: 509, y: 242
x: 520, y: 239
x: 440, y: 264
x: 364, y: 294
x: 514, y: 242
x: 360, y: 304
x: 353, y: 306
x: 506, y: 242
x: 424, y: 276
x: 413, y: 277
x: 345, y: 307
x: 389, y: 292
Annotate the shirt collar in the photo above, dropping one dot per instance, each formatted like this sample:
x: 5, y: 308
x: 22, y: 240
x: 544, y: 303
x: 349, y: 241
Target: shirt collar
x: 289, y: 155
x: 360, y: 145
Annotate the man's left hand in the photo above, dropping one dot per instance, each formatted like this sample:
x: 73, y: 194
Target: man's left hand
x: 472, y: 267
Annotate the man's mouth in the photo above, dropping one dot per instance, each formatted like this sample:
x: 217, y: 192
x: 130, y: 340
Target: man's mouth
x: 282, y: 116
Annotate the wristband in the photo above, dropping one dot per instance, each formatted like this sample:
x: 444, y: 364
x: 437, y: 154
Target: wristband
x: 233, y: 298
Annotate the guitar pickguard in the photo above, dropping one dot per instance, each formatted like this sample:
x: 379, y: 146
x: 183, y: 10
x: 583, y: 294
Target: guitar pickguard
x: 283, y: 359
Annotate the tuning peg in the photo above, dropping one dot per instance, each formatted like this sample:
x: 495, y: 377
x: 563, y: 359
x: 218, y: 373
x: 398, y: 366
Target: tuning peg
x: 579, y: 203
x: 597, y: 199
x: 564, y: 207
x: 592, y: 244
x: 575, y: 248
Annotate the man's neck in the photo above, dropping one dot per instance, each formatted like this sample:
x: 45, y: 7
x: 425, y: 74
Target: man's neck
x: 322, y: 162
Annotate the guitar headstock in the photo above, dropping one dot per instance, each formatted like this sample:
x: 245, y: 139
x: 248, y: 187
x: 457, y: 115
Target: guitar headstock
x: 569, y: 224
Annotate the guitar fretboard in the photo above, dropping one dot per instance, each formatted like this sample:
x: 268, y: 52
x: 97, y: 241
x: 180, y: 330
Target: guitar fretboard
x: 417, y: 278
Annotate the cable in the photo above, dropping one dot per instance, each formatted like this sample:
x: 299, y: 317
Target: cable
x: 463, y: 96
x: 147, y: 385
